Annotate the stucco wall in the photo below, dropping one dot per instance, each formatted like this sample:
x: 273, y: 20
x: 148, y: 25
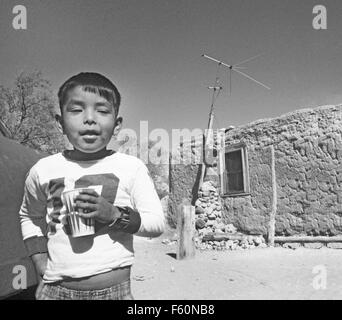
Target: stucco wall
x: 251, y: 213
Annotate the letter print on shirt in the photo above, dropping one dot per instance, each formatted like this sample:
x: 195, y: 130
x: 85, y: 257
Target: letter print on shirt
x: 108, y: 181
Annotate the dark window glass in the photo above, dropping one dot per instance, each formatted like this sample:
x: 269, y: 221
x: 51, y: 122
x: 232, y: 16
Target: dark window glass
x: 234, y: 170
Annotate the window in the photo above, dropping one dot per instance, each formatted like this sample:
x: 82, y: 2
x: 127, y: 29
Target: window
x: 234, y: 172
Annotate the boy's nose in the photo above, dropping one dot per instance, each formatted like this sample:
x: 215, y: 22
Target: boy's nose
x: 89, y: 117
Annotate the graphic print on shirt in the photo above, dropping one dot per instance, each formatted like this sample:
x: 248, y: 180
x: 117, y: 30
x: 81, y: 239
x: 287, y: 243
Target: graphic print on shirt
x: 108, y: 181
x: 56, y: 187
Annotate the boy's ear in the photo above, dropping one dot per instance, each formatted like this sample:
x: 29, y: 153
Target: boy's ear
x: 118, y: 126
x: 59, y: 121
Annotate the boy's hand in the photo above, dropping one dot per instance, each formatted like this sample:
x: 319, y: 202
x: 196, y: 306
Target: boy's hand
x: 40, y: 263
x: 95, y: 206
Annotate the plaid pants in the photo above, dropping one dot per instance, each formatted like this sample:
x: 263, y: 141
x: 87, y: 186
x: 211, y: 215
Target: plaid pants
x: 121, y: 291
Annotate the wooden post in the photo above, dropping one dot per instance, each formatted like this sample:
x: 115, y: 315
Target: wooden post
x: 271, y: 229
x: 186, y: 231
x: 324, y: 239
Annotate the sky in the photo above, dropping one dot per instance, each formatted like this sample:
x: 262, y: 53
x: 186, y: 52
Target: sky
x: 151, y: 49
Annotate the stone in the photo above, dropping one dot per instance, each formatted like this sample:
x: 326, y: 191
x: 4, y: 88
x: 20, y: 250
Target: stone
x: 199, y: 210
x: 204, y: 231
x: 198, y: 203
x: 207, y: 187
x: 210, y: 223
x: 209, y: 211
x: 250, y: 240
x: 262, y: 245
x: 244, y: 243
x: 206, y: 193
x: 313, y: 245
x: 211, y: 216
x: 221, y: 226
x: 230, y: 228
x: 229, y: 243
x: 292, y: 245
x: 235, y: 246
x: 200, y: 223
x: 258, y: 240
x: 334, y: 245
x: 213, y: 206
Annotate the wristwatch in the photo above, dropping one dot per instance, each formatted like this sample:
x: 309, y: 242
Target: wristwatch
x: 122, y: 218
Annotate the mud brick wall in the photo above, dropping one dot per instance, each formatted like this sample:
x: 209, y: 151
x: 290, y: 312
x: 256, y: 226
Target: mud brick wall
x: 308, y: 168
x: 182, y: 180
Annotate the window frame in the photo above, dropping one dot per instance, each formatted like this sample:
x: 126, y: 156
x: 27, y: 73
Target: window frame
x: 245, y: 170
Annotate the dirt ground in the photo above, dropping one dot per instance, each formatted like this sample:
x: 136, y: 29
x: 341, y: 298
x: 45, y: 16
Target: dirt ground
x: 269, y: 273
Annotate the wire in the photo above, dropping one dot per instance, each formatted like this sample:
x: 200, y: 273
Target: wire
x: 249, y: 59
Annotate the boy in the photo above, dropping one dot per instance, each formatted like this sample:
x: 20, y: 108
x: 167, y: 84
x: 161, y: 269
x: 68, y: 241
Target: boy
x: 95, y: 266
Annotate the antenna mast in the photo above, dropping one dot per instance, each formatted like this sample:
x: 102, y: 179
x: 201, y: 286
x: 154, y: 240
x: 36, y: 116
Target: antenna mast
x: 216, y: 91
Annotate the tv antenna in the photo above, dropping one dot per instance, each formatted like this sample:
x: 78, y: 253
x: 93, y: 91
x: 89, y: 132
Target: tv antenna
x: 216, y: 91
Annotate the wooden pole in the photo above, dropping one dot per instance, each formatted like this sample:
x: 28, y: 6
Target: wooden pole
x: 223, y: 237
x: 209, y: 132
x: 271, y: 227
x: 186, y: 231
x: 308, y: 239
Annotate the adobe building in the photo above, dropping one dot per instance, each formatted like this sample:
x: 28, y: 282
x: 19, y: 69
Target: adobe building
x: 274, y: 177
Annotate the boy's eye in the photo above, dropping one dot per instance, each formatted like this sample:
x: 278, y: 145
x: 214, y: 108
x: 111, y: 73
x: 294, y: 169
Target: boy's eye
x: 74, y: 108
x: 103, y: 110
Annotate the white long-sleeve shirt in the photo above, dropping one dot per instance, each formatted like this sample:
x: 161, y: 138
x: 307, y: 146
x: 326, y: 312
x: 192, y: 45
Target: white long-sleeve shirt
x: 123, y: 180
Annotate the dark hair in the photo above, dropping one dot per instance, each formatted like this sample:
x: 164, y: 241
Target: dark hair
x: 91, y: 82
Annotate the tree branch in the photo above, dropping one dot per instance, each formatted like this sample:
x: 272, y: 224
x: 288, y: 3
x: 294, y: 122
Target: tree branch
x: 46, y: 136
x: 5, y: 130
x: 27, y: 135
x: 23, y: 107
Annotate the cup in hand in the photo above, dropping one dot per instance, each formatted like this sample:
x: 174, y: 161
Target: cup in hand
x: 79, y: 226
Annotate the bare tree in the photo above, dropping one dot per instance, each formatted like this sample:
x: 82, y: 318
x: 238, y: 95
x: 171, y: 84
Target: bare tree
x: 27, y: 113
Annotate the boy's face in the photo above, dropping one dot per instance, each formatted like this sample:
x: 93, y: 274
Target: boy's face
x: 88, y: 120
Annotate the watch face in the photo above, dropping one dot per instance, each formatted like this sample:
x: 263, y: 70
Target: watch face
x: 124, y: 210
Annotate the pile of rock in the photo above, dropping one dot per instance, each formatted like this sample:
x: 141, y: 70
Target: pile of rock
x: 246, y: 242
x: 208, y: 209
